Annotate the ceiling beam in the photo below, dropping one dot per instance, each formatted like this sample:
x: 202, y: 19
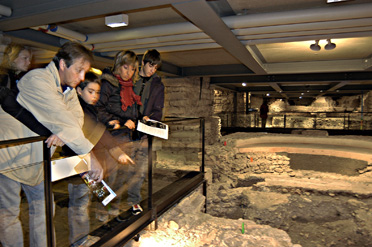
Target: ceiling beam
x: 204, y: 17
x: 316, y: 66
x: 334, y: 88
x: 295, y: 78
x: 216, y: 70
x: 278, y: 89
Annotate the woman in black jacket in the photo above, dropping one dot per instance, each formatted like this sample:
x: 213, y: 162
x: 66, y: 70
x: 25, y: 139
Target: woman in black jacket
x: 117, y: 109
x: 117, y: 104
x: 16, y: 61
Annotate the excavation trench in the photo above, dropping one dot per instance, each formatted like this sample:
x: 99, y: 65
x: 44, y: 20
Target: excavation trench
x: 319, y: 200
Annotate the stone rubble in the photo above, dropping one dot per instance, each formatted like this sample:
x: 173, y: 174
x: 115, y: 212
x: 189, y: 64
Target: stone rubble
x: 185, y: 225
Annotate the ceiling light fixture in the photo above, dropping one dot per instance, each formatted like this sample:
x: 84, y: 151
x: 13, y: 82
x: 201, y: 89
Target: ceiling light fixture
x: 330, y: 45
x: 336, y: 1
x: 316, y: 46
x: 117, y: 20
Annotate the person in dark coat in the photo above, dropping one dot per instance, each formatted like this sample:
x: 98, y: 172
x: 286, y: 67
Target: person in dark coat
x: 264, y: 109
x: 16, y: 61
x: 105, y: 148
x: 117, y: 109
x: 151, y: 90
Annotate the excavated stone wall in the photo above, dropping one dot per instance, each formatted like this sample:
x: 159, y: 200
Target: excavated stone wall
x: 191, y: 98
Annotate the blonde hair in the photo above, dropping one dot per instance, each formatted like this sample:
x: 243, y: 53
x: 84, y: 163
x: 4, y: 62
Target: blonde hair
x: 10, y: 54
x: 126, y: 58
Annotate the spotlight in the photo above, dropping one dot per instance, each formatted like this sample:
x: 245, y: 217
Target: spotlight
x: 244, y: 84
x: 330, y: 45
x: 316, y: 46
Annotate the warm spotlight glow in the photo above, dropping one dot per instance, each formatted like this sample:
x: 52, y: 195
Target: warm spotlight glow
x: 244, y: 84
x: 96, y: 71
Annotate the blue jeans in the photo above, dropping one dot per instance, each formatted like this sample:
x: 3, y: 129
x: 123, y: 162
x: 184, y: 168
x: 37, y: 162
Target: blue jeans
x: 132, y: 175
x: 78, y: 217
x: 136, y: 174
x: 11, y: 233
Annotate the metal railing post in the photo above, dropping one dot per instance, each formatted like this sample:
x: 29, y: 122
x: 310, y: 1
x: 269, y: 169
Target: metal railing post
x: 149, y: 168
x: 48, y: 192
x: 285, y: 121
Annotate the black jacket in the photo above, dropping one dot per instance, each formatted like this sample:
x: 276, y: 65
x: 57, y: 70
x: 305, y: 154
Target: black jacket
x: 109, y: 104
x: 154, y: 104
x: 8, y: 95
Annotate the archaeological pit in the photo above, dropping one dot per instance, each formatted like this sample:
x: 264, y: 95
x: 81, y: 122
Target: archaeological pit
x: 303, y: 187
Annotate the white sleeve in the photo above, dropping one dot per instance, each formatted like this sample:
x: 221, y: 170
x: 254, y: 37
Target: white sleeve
x: 61, y: 114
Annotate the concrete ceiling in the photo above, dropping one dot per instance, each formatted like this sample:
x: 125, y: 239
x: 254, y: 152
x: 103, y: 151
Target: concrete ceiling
x: 265, y: 44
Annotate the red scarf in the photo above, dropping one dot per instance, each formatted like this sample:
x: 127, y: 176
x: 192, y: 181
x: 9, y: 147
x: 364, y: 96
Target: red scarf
x: 127, y: 95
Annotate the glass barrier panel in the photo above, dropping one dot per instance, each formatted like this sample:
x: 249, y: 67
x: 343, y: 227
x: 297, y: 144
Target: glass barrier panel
x: 179, y: 154
x: 22, y: 198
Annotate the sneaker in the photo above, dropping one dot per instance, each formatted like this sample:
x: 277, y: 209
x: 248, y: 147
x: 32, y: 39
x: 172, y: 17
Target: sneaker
x: 136, y: 209
x: 120, y: 218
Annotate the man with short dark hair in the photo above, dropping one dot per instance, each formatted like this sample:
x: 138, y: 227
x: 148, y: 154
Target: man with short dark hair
x: 49, y: 94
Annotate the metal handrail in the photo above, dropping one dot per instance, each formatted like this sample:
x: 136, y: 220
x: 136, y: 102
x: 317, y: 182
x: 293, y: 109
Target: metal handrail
x: 118, y: 237
x: 364, y: 119
x: 47, y: 180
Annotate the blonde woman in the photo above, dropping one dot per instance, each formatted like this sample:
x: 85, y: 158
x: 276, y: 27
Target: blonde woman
x: 16, y: 61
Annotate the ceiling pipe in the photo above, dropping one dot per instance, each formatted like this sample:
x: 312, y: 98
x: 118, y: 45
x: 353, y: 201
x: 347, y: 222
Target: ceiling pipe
x: 329, y: 25
x: 5, y: 11
x: 143, y: 32
x: 153, y: 40
x: 345, y: 12
x: 248, y: 41
x: 170, y: 49
x: 236, y: 22
x: 269, y: 34
x: 172, y: 32
x: 61, y: 32
x: 155, y: 45
x: 308, y: 34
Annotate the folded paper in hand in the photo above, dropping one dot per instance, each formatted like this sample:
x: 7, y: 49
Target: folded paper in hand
x: 66, y: 167
x: 154, y: 128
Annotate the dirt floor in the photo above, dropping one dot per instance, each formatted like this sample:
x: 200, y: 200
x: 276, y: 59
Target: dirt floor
x: 334, y: 209
x: 323, y: 163
x: 320, y: 221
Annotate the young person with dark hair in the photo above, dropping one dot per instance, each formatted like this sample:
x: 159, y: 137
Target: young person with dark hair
x: 151, y: 90
x: 106, y: 148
